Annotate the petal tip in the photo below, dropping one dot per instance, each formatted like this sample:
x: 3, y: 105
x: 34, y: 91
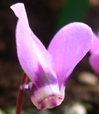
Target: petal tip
x: 17, y: 8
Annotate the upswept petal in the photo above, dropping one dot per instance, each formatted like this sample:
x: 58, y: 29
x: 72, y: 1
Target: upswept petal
x: 30, y: 50
x: 94, y: 62
x: 95, y: 46
x: 68, y: 47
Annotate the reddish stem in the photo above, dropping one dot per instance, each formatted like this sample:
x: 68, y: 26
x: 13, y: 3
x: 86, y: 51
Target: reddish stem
x: 20, y: 95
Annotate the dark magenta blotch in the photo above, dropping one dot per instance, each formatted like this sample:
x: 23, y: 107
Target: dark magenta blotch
x: 44, y: 77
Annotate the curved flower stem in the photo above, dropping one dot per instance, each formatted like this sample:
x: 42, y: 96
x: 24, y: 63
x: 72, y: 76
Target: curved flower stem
x: 20, y: 95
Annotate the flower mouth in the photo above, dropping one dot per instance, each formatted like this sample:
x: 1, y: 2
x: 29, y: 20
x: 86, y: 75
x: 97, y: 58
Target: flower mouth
x: 49, y: 102
x: 47, y: 96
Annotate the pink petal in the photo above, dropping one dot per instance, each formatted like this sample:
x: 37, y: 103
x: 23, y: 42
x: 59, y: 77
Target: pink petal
x: 94, y: 62
x: 68, y: 47
x: 30, y: 50
x: 95, y: 45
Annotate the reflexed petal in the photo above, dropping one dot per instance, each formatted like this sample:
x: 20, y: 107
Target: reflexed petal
x: 30, y: 50
x: 68, y: 47
x: 37, y: 64
x: 94, y: 61
x: 95, y: 45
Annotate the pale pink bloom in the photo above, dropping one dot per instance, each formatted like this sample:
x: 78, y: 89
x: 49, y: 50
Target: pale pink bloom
x: 94, y: 50
x: 49, y: 69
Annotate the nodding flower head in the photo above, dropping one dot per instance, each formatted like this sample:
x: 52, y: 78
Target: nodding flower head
x: 49, y: 69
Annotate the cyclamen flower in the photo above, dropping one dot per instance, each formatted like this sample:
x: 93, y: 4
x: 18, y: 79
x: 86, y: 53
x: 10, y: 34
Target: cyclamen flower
x: 94, y: 58
x: 49, y: 69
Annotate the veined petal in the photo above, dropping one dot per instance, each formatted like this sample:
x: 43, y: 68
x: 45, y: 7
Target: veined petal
x: 30, y: 50
x: 95, y: 45
x: 68, y: 47
x: 94, y: 61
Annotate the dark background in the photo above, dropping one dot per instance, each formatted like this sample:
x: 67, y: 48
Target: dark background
x: 45, y: 18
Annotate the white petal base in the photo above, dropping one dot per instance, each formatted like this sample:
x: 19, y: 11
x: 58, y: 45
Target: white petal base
x: 47, y: 97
